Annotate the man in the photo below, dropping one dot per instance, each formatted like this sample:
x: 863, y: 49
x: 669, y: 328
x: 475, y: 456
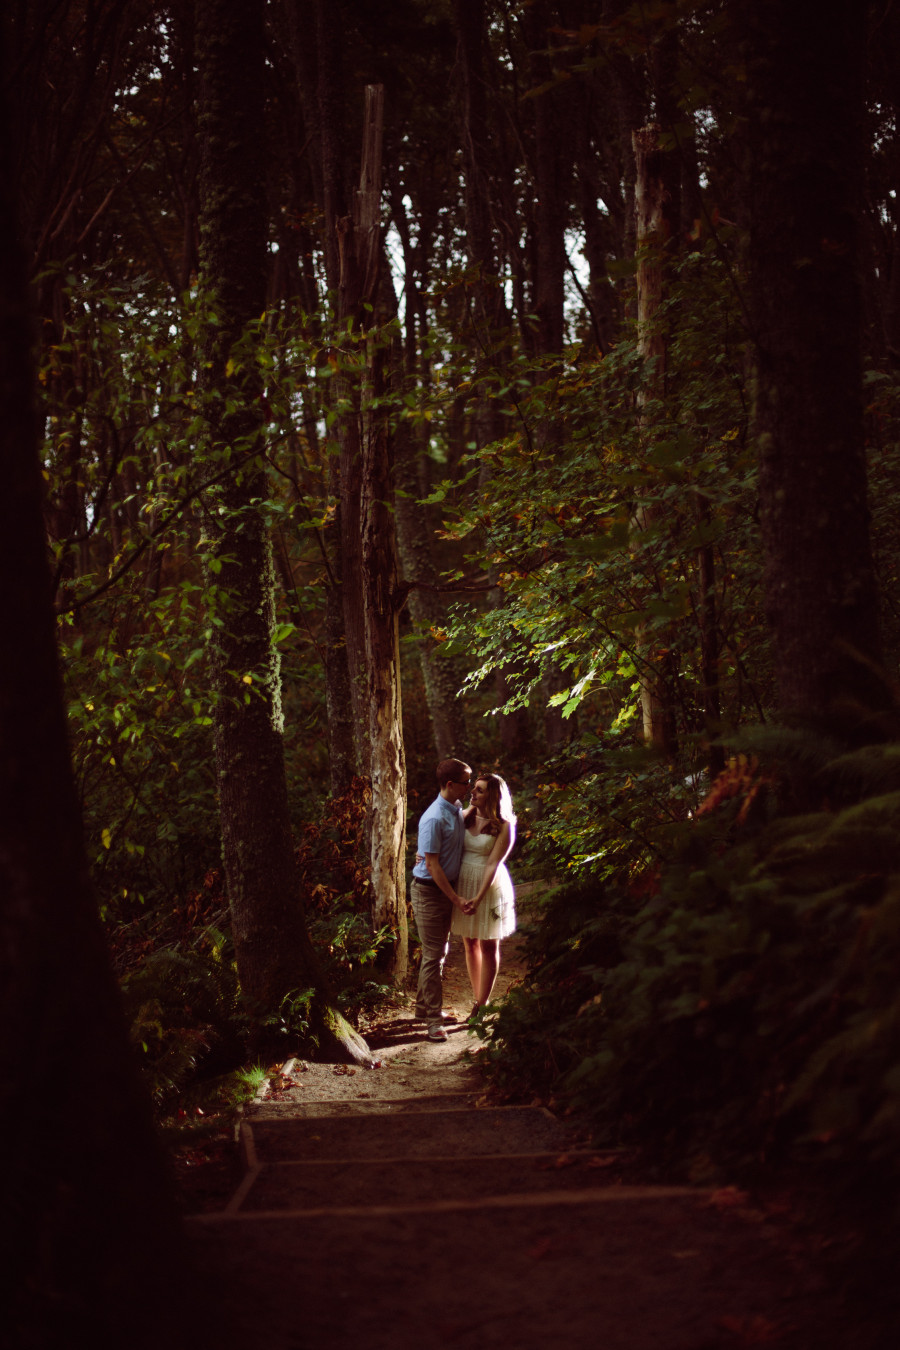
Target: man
x: 441, y: 834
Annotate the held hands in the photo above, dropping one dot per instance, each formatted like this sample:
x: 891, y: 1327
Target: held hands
x: 467, y: 906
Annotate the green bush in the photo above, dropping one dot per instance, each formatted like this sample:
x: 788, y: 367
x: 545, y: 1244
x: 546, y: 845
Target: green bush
x: 183, y: 1008
x: 746, y: 1005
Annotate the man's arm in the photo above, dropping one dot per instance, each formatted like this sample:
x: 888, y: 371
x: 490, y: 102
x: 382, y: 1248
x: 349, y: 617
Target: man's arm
x: 439, y: 877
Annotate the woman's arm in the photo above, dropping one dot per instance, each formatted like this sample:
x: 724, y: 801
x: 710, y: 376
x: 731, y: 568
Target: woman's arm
x: 502, y: 845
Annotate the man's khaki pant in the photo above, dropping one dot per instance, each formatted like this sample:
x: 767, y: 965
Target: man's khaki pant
x: 433, y: 912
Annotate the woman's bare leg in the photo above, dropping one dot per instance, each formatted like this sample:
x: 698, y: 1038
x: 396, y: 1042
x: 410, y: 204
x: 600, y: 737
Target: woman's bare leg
x: 489, y: 963
x: 473, y: 964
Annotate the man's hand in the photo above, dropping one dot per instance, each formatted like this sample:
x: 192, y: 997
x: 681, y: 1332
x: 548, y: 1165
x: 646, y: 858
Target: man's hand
x: 469, y: 906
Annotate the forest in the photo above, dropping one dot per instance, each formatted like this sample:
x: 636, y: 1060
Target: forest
x: 510, y: 379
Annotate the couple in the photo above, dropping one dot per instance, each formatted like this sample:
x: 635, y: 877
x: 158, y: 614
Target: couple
x: 460, y: 884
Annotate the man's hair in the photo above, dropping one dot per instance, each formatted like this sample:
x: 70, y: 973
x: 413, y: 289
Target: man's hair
x: 452, y: 771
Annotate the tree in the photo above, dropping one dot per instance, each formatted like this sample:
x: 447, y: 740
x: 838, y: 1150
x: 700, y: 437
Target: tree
x: 806, y: 154
x: 274, y: 955
x: 380, y: 584
x: 89, y: 1231
x: 653, y: 238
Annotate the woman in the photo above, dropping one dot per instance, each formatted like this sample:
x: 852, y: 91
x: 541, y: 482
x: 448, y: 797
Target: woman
x: 489, y: 911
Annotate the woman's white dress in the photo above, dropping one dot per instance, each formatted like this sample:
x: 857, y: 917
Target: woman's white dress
x: 495, y: 917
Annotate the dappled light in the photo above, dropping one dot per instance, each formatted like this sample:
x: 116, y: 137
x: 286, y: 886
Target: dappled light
x: 450, y: 727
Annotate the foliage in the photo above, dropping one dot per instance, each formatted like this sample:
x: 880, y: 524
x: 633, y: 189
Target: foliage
x: 609, y: 807
x: 741, y: 1004
x: 126, y: 457
x: 180, y: 986
x: 588, y: 503
x: 292, y: 1019
x: 331, y: 852
x: 337, y: 895
x: 597, y: 561
x: 188, y: 1022
x: 141, y: 747
x: 183, y: 1008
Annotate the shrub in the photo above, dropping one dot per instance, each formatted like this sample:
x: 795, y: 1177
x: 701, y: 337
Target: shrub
x: 745, y: 1006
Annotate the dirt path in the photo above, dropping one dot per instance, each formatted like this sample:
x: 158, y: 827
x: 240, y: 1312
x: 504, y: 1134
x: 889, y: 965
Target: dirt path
x: 399, y: 1208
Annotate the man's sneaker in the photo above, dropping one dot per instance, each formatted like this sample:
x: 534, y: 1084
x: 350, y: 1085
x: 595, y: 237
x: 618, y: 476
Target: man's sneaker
x: 436, y: 1032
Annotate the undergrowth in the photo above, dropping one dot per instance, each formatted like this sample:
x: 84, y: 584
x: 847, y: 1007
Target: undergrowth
x: 189, y: 1026
x: 738, y: 1007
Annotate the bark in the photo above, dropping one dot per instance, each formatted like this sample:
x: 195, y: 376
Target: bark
x: 345, y: 388
x: 88, y: 1230
x: 272, y: 947
x: 488, y: 312
x: 653, y: 232
x: 805, y: 135
x: 442, y: 677
x: 338, y: 700
x: 183, y: 20
x: 552, y: 170
x: 351, y: 275
x: 302, y: 39
x: 368, y: 548
x: 602, y: 238
x: 378, y: 550
x: 316, y: 50
x: 668, y: 115
x: 488, y: 315
x: 256, y: 839
x: 480, y: 242
x: 709, y: 646
x: 388, y: 759
x: 628, y: 80
x: 415, y: 541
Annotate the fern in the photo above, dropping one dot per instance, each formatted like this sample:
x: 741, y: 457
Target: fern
x: 184, y: 1013
x: 744, y: 1003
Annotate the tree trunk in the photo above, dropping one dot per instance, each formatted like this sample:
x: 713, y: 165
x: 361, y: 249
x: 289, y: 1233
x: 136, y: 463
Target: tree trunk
x: 632, y: 108
x: 351, y: 282
x: 388, y: 759
x: 552, y: 170
x: 489, y: 316
x: 415, y: 541
x: 315, y: 38
x: 88, y: 1229
x: 273, y: 951
x: 709, y: 645
x: 806, y: 152
x: 378, y: 550
x: 653, y: 232
x: 341, y: 741
x: 256, y: 838
x: 410, y: 372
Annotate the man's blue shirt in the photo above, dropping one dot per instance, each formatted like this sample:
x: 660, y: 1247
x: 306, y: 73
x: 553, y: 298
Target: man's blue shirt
x: 442, y: 831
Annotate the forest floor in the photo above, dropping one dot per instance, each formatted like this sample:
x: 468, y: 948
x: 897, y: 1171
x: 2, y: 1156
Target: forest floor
x: 404, y: 1207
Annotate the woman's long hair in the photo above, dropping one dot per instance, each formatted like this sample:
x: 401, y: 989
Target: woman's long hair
x: 498, y: 808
